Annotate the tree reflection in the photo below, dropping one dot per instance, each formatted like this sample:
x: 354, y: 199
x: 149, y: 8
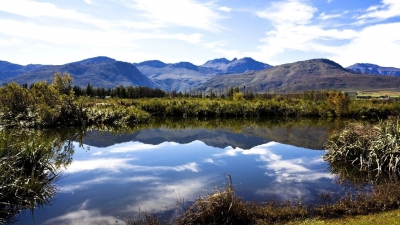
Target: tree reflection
x: 30, y: 162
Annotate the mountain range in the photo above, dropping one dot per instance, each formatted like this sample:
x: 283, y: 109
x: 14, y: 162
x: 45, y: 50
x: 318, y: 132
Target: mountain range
x: 184, y: 75
x: 214, y: 74
x: 99, y: 72
x: 314, y: 74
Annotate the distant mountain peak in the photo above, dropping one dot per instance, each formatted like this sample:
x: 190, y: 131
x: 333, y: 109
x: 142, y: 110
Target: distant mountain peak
x: 185, y: 65
x: 95, y: 60
x: 369, y: 68
x: 236, y: 65
x: 217, y: 61
x: 152, y: 63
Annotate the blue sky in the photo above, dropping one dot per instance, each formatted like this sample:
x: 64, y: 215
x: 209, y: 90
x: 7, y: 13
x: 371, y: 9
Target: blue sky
x: 274, y: 32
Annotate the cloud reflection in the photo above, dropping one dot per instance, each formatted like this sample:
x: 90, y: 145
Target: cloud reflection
x: 295, y: 169
x: 118, y: 164
x: 84, y: 216
x: 87, y: 184
x: 162, y: 197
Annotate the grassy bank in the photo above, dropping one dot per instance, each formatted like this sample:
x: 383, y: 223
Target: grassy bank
x: 383, y: 218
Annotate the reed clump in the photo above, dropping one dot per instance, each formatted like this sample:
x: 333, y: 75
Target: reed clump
x: 224, y: 206
x: 27, y: 176
x: 367, y: 147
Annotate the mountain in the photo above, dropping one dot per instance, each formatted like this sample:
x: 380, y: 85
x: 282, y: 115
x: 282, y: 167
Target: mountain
x: 151, y: 63
x: 184, y: 76
x: 368, y: 68
x: 236, y: 66
x: 99, y: 71
x: 95, y: 60
x: 8, y: 70
x: 180, y: 76
x: 314, y: 74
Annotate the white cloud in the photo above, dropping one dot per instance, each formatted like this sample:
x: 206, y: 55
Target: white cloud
x: 300, y: 33
x: 89, y: 2
x: 288, y: 12
x: 186, y: 13
x: 387, y: 9
x: 324, y: 16
x: 379, y: 44
x: 33, y: 9
x: 224, y: 9
x: 11, y: 41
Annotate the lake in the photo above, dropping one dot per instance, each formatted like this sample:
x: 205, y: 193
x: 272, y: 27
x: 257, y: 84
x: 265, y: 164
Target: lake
x: 111, y: 173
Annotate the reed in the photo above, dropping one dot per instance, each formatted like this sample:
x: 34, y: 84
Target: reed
x: 367, y: 147
x: 26, y: 176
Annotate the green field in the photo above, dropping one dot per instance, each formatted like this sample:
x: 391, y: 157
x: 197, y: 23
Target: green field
x: 380, y: 93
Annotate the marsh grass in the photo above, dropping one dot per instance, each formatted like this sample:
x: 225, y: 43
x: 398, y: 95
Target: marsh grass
x: 367, y: 147
x: 26, y: 177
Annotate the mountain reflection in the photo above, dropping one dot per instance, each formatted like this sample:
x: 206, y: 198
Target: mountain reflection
x: 241, y: 133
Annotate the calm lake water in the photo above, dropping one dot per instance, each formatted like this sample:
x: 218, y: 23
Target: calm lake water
x: 118, y: 172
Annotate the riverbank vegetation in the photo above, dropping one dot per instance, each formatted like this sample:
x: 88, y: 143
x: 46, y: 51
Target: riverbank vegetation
x: 367, y: 147
x: 29, y: 168
x: 59, y: 104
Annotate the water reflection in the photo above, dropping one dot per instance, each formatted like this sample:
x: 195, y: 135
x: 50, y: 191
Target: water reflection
x: 151, y: 166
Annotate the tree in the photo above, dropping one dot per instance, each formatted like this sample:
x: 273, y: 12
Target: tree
x: 89, y: 90
x: 62, y: 83
x: 15, y: 99
x: 339, y: 102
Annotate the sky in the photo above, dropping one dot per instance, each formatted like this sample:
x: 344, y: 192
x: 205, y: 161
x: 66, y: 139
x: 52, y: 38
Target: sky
x: 271, y: 31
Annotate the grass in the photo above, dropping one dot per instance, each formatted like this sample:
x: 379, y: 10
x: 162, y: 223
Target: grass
x: 368, y: 148
x: 379, y: 93
x: 384, y: 218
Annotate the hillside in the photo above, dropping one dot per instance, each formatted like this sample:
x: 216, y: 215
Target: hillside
x: 367, y: 68
x: 99, y: 71
x: 316, y: 74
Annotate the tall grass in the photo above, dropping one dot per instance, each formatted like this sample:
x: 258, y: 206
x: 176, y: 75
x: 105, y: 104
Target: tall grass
x: 367, y: 147
x: 28, y: 171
